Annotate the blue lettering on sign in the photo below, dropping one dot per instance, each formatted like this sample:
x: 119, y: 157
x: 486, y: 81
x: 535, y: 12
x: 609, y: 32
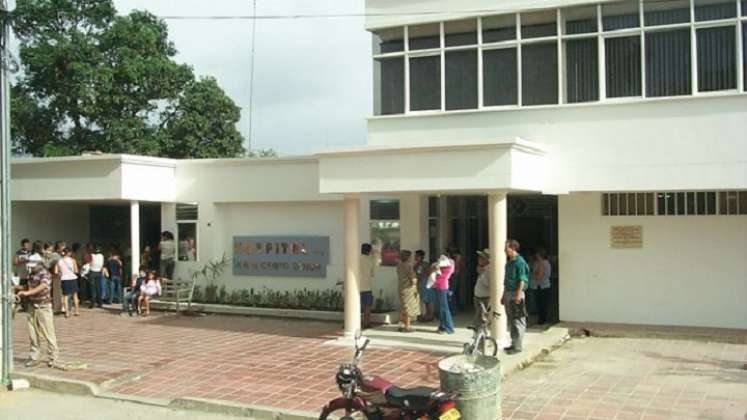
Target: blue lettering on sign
x: 281, y: 256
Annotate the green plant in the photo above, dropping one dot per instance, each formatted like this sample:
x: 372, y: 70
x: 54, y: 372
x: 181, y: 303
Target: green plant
x: 222, y: 295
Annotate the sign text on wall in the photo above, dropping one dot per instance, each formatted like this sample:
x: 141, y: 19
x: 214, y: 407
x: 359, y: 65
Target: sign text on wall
x: 626, y: 237
x: 281, y: 256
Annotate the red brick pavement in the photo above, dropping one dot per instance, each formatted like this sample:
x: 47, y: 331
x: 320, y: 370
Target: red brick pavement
x: 262, y: 361
x: 285, y: 364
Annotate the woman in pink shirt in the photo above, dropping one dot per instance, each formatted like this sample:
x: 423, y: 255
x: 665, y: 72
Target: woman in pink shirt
x: 445, y: 268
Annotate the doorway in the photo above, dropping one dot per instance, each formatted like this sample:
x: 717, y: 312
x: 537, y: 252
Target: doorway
x: 462, y: 222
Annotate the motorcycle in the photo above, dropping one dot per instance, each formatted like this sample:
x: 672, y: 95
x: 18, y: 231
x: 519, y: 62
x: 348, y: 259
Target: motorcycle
x: 375, y: 398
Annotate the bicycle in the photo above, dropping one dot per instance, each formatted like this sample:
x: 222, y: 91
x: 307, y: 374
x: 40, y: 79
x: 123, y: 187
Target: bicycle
x: 482, y: 343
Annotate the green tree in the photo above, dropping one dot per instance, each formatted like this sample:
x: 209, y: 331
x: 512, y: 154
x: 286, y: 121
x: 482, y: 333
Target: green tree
x: 92, y: 80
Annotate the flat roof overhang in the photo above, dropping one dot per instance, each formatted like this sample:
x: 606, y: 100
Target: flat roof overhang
x: 454, y: 168
x: 94, y: 178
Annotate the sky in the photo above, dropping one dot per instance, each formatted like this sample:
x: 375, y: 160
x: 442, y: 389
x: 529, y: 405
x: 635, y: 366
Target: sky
x: 312, y: 81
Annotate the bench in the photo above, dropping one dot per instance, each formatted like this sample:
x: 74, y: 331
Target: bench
x: 178, y: 291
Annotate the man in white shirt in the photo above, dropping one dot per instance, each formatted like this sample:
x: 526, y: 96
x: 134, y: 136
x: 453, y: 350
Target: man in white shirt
x: 482, y: 285
x: 369, y: 264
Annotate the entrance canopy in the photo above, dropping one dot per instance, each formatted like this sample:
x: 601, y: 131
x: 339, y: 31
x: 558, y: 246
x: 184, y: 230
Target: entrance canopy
x: 462, y: 167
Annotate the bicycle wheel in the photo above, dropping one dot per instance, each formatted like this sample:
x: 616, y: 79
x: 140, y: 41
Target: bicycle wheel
x: 342, y: 415
x: 487, y: 346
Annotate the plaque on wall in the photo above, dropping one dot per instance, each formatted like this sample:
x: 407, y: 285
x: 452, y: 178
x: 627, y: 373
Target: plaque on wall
x: 626, y: 237
x: 281, y: 256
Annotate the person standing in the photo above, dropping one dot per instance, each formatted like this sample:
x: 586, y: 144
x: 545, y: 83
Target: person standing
x: 167, y: 249
x: 514, y: 299
x: 408, y: 291
x: 482, y: 284
x: 96, y: 280
x: 369, y: 265
x: 40, y: 316
x: 443, y: 270
x: 114, y: 271
x: 424, y: 293
x: 540, y: 284
x: 20, y: 260
x: 456, y: 280
x: 67, y: 271
x: 54, y: 258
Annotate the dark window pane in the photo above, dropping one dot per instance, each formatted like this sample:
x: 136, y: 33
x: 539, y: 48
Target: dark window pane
x: 701, y: 202
x: 661, y: 204
x: 434, y: 207
x: 620, y: 15
x: 581, y: 70
x: 384, y: 210
x: 498, y: 28
x: 579, y: 20
x: 186, y: 212
x: 423, y: 37
x: 744, y: 50
x: 388, y: 40
x: 668, y: 63
x: 691, y: 209
x: 425, y: 83
x: 539, y: 73
x: 500, y: 84
x: 538, y: 24
x: 641, y: 204
x: 742, y: 200
x: 389, y: 86
x: 613, y: 204
x: 461, y: 79
x: 666, y: 12
x: 722, y: 206
x: 623, y: 204
x: 461, y: 32
x: 714, y: 9
x: 623, y: 66
x: 650, y: 204
x: 731, y: 202
x: 187, y: 235
x: 605, y: 205
x: 680, y: 203
x: 631, y: 204
x: 744, y: 7
x: 717, y: 64
x: 710, y: 203
x: 670, y: 203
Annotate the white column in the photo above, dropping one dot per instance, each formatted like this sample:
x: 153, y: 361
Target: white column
x: 497, y: 240
x: 134, y: 237
x: 352, y: 251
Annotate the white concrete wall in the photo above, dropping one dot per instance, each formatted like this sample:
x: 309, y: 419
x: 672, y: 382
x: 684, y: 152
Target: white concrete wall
x: 674, y: 144
x: 66, y: 180
x: 67, y: 222
x: 691, y: 270
x: 148, y: 182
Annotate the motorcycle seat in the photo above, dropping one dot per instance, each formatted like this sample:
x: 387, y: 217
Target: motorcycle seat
x: 418, y: 398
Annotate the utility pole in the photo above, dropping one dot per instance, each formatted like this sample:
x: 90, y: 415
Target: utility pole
x: 6, y: 292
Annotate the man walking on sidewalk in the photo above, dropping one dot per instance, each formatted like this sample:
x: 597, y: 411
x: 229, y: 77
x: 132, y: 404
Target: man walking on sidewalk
x: 515, y: 282
x: 40, y: 316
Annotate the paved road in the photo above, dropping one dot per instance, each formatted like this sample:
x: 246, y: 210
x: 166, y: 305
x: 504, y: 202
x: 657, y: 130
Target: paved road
x: 40, y: 405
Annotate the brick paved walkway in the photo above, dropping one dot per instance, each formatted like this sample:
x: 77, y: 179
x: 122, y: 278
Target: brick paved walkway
x: 285, y: 364
x: 609, y: 378
x: 262, y: 361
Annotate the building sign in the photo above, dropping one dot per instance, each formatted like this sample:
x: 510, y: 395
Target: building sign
x: 626, y: 237
x: 281, y: 256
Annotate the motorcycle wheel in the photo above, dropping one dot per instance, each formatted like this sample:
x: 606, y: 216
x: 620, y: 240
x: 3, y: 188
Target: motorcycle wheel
x: 487, y: 346
x: 341, y: 415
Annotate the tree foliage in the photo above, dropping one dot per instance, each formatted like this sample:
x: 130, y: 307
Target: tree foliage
x: 93, y: 80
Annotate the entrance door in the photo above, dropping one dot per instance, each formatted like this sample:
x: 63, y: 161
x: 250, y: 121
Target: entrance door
x: 462, y: 222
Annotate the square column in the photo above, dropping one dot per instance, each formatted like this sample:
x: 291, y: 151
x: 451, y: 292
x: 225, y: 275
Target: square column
x: 497, y: 241
x: 134, y: 238
x: 352, y: 245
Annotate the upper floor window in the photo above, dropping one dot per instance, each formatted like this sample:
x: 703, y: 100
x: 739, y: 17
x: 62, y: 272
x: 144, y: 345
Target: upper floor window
x: 582, y: 53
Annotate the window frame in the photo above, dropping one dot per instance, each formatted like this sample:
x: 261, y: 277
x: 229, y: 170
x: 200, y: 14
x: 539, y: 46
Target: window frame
x: 738, y: 22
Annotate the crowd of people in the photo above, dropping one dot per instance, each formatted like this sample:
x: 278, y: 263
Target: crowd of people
x: 51, y: 278
x: 427, y: 288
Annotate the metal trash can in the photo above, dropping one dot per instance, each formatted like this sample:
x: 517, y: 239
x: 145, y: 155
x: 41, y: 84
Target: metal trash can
x: 477, y: 381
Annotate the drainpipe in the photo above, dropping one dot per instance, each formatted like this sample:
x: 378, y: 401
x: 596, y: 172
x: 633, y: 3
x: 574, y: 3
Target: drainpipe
x: 6, y: 341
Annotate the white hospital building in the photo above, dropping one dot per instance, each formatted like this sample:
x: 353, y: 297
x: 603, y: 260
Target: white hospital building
x: 612, y: 134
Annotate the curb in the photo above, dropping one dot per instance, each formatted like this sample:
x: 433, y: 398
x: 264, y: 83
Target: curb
x: 658, y: 332
x: 240, y: 410
x: 60, y: 385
